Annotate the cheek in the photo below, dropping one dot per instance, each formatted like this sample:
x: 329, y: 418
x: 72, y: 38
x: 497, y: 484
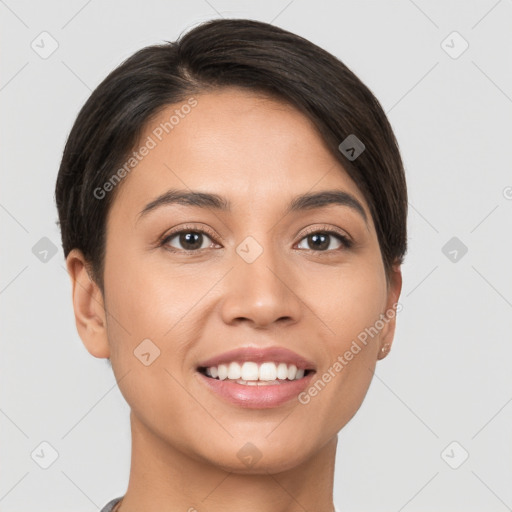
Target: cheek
x: 148, y: 319
x: 150, y: 301
x: 348, y: 301
x: 347, y: 305
x: 146, y: 299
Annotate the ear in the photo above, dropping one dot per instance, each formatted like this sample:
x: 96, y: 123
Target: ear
x: 389, y: 319
x: 88, y: 305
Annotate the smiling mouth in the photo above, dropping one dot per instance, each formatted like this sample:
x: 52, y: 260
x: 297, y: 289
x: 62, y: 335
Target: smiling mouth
x: 252, y: 385
x: 254, y: 374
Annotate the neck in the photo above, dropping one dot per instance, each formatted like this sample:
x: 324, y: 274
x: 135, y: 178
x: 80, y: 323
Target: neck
x: 165, y: 479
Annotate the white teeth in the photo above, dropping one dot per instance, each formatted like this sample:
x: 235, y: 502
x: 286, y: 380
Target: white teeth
x: 250, y: 373
x: 282, y: 371
x: 223, y: 371
x: 257, y: 382
x: 234, y: 371
x: 268, y: 371
x: 292, y: 371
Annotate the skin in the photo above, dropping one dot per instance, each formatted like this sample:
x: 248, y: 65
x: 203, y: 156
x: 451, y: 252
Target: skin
x: 259, y: 153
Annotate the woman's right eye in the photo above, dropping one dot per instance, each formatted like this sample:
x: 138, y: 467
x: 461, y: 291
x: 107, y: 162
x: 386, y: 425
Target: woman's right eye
x: 190, y: 240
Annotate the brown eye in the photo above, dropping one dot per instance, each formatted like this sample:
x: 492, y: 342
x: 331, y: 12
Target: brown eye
x: 322, y: 241
x: 187, y: 240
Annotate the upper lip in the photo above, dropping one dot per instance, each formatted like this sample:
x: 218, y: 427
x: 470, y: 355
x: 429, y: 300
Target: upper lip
x: 260, y: 355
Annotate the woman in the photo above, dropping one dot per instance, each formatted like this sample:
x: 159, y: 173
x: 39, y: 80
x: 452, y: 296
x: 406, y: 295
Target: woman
x: 233, y: 214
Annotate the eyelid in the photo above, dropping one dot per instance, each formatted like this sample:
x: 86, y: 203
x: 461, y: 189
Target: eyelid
x: 326, y: 228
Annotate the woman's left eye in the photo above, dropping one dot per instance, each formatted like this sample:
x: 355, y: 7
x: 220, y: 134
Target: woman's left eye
x: 321, y: 240
x: 193, y: 240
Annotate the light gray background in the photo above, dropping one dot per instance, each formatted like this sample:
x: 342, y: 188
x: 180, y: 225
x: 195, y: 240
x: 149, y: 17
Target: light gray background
x: 448, y: 377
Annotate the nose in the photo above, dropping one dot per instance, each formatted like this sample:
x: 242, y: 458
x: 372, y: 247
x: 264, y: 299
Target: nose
x: 261, y: 293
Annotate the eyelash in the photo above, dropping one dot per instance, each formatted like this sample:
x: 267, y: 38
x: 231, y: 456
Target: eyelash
x: 345, y: 241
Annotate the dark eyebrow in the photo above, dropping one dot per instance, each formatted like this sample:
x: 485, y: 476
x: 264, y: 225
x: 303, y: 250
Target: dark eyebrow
x: 189, y: 198
x: 314, y: 200
x: 307, y: 201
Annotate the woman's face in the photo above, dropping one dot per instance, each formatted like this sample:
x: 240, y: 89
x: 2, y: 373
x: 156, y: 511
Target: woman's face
x: 258, y: 277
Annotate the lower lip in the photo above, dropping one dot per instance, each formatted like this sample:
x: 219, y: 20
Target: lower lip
x: 257, y: 397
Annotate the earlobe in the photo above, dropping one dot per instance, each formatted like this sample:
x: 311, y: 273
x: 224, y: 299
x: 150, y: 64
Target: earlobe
x: 388, y: 331
x: 88, y: 306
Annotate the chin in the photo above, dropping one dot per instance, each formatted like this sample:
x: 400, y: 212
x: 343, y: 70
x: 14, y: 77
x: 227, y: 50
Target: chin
x: 252, y: 458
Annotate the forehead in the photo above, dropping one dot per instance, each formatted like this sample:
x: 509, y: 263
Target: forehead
x: 235, y: 143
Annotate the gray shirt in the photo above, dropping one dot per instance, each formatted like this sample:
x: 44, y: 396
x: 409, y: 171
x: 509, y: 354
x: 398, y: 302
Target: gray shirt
x: 111, y: 504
